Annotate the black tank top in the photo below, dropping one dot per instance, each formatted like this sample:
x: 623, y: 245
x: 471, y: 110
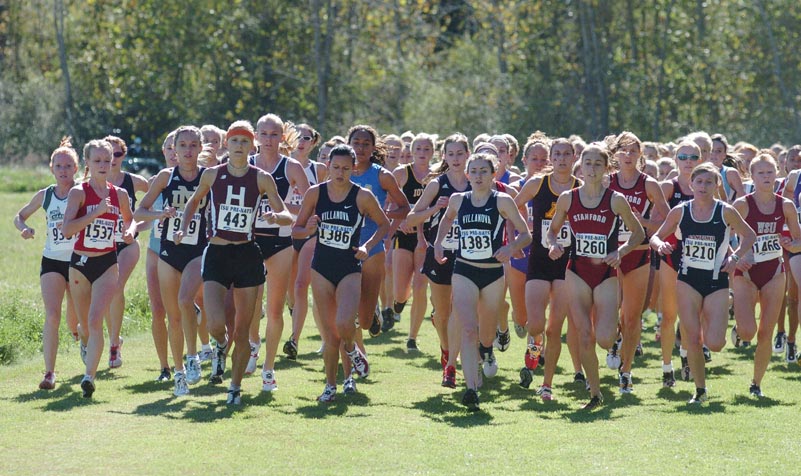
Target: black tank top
x: 413, y: 189
x: 176, y: 194
x: 678, y: 196
x: 339, y: 228
x: 282, y: 185
x: 446, y: 189
x: 704, y: 244
x: 234, y: 203
x: 541, y: 210
x: 480, y: 229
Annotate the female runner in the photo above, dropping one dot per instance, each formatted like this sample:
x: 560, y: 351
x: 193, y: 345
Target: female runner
x: 94, y: 210
x: 275, y: 242
x: 593, y: 211
x: 545, y: 278
x: 303, y: 249
x: 409, y: 250
x: 394, y: 146
x: 335, y: 210
x: 766, y: 213
x: 431, y: 206
x: 232, y: 257
x: 478, y: 271
x: 703, y: 279
x: 54, y: 272
x: 179, y: 265
x: 127, y: 253
x: 158, y: 325
x: 368, y: 173
x: 650, y: 208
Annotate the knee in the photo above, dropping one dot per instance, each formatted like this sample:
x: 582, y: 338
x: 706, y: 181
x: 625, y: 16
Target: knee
x: 716, y: 344
x: 186, y: 301
x: 606, y: 342
x: 747, y: 331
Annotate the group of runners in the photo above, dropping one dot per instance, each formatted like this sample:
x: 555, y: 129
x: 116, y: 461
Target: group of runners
x: 242, y: 222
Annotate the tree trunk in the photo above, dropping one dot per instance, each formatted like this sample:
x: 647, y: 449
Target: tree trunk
x: 58, y: 19
x: 322, y: 53
x: 660, y: 88
x: 500, y: 37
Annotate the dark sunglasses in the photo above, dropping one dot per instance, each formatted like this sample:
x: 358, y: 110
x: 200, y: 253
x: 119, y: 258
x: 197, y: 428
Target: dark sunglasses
x: 118, y: 154
x: 684, y: 157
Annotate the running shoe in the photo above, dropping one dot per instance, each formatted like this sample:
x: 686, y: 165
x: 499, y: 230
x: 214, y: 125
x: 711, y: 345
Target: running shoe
x: 624, y: 378
x: 707, y: 354
x: 268, y: 381
x: 234, y: 397
x: 253, y: 360
x: 205, y: 354
x: 181, y: 387
x: 48, y: 382
x: 525, y: 377
x: 532, y: 357
x: 359, y: 361
x: 579, y: 377
x: 83, y: 353
x: 328, y: 395
x: 502, y: 340
x: 375, y: 327
x: 349, y: 386
x: 218, y: 363
x: 321, y: 349
x: 115, y: 356
x: 490, y: 365
x: 444, y: 355
x: 699, y: 397
x: 735, y: 338
x: 755, y: 391
x: 638, y: 351
x: 396, y: 316
x: 88, y: 387
x: 791, y: 357
x: 291, y: 349
x: 520, y: 331
x: 612, y: 357
x: 685, y: 369
x: 164, y: 376
x: 388, y: 321
x: 668, y: 379
x: 449, y: 377
x: 470, y: 400
x: 411, y: 346
x: 595, y: 402
x: 545, y: 393
x: 779, y: 342
x: 192, y: 370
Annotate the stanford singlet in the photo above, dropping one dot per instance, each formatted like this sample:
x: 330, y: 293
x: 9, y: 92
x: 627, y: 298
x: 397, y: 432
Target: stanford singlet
x: 594, y: 230
x: 637, y: 198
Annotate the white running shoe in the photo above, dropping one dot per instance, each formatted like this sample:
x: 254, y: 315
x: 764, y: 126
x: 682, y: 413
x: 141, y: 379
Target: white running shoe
x: 268, y: 381
x: 192, y: 369
x: 253, y: 360
x: 181, y: 388
x: 490, y: 366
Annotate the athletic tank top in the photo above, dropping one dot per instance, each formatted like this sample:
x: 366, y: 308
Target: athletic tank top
x: 637, y: 197
x: 726, y: 186
x: 176, y: 194
x: 704, y: 244
x: 541, y: 209
x: 446, y: 189
x: 594, y: 230
x: 338, y: 231
x: 370, y: 180
x: 678, y: 196
x: 295, y: 198
x: 261, y: 226
x: 768, y: 229
x: 505, y: 177
x: 98, y: 236
x: 413, y: 189
x: 128, y: 186
x: 234, y: 204
x: 57, y: 246
x: 480, y: 229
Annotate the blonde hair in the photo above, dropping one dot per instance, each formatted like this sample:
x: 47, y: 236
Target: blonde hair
x: 95, y: 144
x: 705, y: 168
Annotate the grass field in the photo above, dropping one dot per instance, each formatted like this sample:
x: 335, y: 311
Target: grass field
x: 401, y: 421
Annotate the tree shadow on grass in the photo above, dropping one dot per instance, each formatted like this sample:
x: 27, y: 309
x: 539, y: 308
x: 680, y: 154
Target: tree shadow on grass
x: 707, y: 408
x: 447, y: 408
x: 674, y: 395
x: 714, y: 368
x: 342, y: 405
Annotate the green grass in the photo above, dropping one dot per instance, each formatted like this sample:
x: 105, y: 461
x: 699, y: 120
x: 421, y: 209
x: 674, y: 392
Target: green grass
x: 401, y: 421
x: 24, y: 179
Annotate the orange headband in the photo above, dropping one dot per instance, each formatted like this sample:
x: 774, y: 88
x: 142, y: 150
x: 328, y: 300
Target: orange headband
x: 240, y: 131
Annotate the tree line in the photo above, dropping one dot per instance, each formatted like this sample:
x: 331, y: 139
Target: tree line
x: 660, y: 68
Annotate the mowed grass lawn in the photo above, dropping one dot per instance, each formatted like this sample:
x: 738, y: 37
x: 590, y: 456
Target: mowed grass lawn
x: 401, y: 421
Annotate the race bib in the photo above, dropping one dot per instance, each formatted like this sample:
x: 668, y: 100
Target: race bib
x: 56, y: 241
x: 99, y: 235
x: 475, y: 244
x: 264, y: 207
x: 591, y: 245
x: 563, y: 237
x: 158, y: 227
x: 451, y: 241
x: 334, y: 236
x: 192, y: 231
x: 295, y: 198
x: 623, y: 233
x: 767, y: 247
x: 699, y: 253
x: 235, y: 219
